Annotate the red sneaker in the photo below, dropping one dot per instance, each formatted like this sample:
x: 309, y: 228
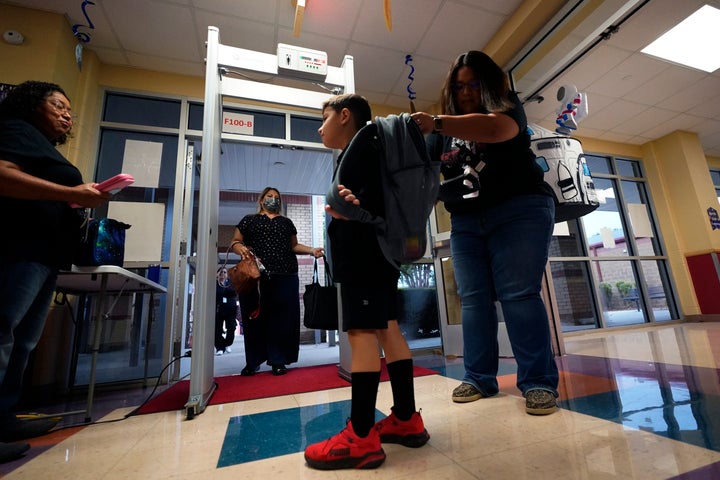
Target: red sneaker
x: 346, y: 450
x: 410, y: 433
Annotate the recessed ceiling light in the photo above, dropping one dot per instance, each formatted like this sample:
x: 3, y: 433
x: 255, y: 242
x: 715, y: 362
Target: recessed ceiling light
x: 692, y: 42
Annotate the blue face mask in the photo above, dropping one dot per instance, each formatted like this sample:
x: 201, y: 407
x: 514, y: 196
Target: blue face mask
x: 272, y: 204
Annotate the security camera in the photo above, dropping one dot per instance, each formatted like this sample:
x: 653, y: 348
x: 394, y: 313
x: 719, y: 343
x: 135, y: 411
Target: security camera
x: 13, y: 37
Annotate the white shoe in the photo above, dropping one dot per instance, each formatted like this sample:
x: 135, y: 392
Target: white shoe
x: 219, y: 353
x: 228, y: 350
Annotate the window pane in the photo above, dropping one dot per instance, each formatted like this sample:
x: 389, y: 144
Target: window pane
x: 566, y: 240
x: 640, y: 220
x: 417, y: 302
x: 619, y: 296
x: 629, y: 168
x: 597, y: 164
x: 575, y: 306
x: 452, y: 299
x: 112, y: 150
x: 305, y: 129
x: 153, y: 112
x: 659, y: 292
x: 715, y: 175
x: 195, y: 116
x: 604, y: 232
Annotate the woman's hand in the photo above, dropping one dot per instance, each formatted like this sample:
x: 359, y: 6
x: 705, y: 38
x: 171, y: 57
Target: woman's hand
x: 86, y: 195
x: 15, y: 183
x: 317, y: 252
x: 424, y: 121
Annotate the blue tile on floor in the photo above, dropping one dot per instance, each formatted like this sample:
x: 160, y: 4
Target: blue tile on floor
x: 282, y: 432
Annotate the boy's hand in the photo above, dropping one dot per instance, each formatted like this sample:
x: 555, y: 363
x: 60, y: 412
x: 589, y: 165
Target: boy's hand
x: 347, y: 194
x: 330, y: 211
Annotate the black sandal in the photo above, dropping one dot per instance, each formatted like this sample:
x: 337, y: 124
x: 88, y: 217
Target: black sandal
x: 279, y: 370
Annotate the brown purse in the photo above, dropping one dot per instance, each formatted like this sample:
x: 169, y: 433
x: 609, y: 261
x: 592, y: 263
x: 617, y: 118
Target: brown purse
x: 245, y: 275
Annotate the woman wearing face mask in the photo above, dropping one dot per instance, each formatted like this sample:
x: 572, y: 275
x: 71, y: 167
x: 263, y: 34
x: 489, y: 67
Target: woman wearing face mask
x: 271, y: 316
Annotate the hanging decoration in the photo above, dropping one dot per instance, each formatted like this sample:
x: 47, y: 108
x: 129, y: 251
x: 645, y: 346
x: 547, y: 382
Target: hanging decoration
x: 388, y: 14
x: 572, y: 110
x: 411, y: 78
x: 83, y: 37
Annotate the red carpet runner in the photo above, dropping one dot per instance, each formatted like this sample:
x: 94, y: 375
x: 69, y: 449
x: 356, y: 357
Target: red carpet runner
x: 236, y: 388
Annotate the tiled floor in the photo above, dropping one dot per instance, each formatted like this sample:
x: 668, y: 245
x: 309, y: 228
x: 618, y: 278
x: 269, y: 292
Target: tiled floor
x: 642, y: 403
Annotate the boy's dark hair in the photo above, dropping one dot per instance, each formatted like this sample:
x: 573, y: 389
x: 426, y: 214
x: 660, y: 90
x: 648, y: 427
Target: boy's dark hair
x: 494, y: 83
x: 358, y: 106
x: 23, y: 101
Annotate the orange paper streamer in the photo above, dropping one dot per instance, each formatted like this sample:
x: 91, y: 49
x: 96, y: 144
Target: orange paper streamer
x: 388, y: 15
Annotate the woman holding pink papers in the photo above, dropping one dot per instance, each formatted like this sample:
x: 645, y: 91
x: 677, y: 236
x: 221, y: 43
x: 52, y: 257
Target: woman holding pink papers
x: 40, y: 232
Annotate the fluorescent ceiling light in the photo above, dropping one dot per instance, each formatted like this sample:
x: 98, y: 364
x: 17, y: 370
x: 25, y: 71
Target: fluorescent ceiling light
x: 692, y: 42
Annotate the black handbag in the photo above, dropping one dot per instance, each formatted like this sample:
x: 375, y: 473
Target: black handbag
x: 102, y: 243
x: 321, y: 306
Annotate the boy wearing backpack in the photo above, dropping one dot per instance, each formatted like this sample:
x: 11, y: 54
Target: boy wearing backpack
x: 368, y: 289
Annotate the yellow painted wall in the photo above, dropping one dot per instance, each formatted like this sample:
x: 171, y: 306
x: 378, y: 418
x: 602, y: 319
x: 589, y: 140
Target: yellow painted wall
x: 48, y: 54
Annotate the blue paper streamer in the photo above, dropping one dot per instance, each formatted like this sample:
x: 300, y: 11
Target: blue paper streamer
x: 84, y: 37
x: 411, y: 92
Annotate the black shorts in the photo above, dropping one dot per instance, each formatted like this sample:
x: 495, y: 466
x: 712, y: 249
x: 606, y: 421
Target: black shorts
x: 369, y: 306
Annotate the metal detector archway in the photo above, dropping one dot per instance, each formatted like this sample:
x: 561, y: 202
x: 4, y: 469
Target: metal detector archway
x: 219, y: 59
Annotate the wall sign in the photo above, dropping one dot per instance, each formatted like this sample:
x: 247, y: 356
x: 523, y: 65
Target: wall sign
x: 238, y: 123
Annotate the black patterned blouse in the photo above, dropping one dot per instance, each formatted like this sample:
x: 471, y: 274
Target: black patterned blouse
x: 270, y: 239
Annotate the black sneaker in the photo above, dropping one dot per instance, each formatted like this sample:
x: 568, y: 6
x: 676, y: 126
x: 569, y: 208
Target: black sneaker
x: 12, y: 451
x: 540, y: 402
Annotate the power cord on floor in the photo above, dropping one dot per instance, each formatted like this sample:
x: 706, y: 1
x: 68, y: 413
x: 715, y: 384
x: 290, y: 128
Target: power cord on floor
x: 187, y: 354
x: 136, y: 409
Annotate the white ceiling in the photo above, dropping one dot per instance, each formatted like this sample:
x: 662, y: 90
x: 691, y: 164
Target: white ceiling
x: 633, y: 98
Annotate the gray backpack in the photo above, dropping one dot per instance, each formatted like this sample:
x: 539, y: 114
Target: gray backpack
x: 410, y: 182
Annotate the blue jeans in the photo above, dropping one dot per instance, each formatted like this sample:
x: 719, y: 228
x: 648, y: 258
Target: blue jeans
x: 26, y: 289
x: 500, y: 254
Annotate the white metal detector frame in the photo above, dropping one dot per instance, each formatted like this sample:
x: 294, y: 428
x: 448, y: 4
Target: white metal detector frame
x: 219, y: 56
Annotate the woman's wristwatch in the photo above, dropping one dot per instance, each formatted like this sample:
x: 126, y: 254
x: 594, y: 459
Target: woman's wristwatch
x: 437, y: 124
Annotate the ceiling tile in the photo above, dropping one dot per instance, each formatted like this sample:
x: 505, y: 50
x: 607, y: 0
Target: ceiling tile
x: 633, y: 72
x: 664, y: 85
x: 410, y: 21
x: 456, y: 30
x: 167, y: 36
x: 637, y: 125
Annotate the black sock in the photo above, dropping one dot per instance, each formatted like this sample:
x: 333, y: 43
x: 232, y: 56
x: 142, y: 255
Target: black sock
x: 403, y: 388
x: 364, y: 395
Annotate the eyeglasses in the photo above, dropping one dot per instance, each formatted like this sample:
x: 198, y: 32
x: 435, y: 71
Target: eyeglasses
x: 460, y: 86
x: 58, y: 106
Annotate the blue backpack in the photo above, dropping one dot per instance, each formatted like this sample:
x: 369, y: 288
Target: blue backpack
x: 410, y: 182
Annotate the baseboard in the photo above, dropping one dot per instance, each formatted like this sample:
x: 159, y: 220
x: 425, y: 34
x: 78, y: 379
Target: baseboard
x: 702, y: 318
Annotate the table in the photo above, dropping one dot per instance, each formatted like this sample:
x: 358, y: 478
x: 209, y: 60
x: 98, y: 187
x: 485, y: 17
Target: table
x: 101, y: 281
